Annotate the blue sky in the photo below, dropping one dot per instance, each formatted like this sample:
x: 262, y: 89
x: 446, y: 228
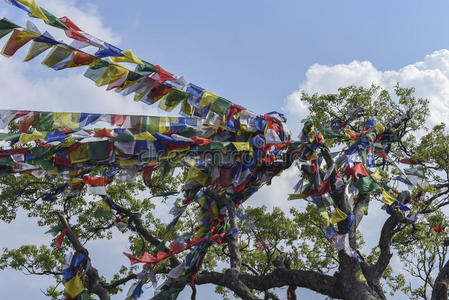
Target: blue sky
x: 259, y: 54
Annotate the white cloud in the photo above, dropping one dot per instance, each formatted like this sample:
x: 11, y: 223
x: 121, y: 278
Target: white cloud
x: 32, y: 86
x: 430, y: 77
x: 86, y: 16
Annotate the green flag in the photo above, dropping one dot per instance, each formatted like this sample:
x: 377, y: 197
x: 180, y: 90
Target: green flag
x: 6, y: 27
x: 145, y: 69
x: 53, y: 20
x: 97, y: 70
x: 125, y: 136
x: 220, y: 106
x: 98, y: 150
x: 172, y: 99
x: 366, y: 185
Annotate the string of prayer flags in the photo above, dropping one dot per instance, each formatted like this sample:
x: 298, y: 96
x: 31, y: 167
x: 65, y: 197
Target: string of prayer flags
x: 150, y: 83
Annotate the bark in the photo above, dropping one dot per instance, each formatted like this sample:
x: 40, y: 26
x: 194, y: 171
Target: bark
x: 318, y: 282
x: 94, y: 285
x: 439, y: 291
x: 234, y: 250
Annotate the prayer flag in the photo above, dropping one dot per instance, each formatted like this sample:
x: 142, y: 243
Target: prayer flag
x: 128, y: 56
x: 74, y: 286
x: 6, y: 27
x: 35, y: 10
x: 17, y: 40
x: 338, y: 216
x: 388, y: 198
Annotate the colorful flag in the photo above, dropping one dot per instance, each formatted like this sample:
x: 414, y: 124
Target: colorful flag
x: 6, y: 27
x: 35, y: 10
x: 74, y: 286
x: 388, y: 198
x: 128, y: 56
x: 338, y: 216
x: 17, y: 40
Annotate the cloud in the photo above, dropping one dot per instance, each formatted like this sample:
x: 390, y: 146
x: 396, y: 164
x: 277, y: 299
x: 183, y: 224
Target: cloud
x: 429, y: 77
x: 34, y: 87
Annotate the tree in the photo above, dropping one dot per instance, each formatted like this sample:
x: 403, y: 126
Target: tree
x: 275, y: 249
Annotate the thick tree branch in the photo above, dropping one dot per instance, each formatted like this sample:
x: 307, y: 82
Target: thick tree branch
x: 94, y: 279
x: 318, y: 282
x: 386, y: 235
x: 440, y: 291
x: 234, y: 250
x: 119, y: 282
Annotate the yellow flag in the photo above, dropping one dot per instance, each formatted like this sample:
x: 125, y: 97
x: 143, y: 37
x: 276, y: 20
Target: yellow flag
x: 63, y: 119
x: 197, y: 175
x: 311, y: 134
x: 388, y: 198
x: 207, y: 99
x: 241, y: 146
x: 144, y: 136
x: 57, y: 54
x: 325, y: 216
x: 35, y: 10
x: 103, y: 205
x: 26, y: 34
x: 379, y: 128
x: 128, y: 56
x: 77, y: 180
x: 113, y: 73
x: 359, y: 275
x: 36, y: 48
x: 29, y: 137
x: 127, y: 84
x: 128, y: 162
x: 80, y: 154
x: 296, y: 196
x: 338, y: 216
x: 74, y: 287
x: 376, y: 176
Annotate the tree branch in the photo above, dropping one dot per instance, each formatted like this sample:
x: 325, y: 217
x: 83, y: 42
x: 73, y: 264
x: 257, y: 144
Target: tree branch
x: 439, y: 291
x: 94, y: 279
x: 318, y: 282
x: 140, y: 228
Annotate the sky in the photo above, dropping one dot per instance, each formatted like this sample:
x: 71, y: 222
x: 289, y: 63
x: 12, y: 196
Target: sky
x: 259, y: 54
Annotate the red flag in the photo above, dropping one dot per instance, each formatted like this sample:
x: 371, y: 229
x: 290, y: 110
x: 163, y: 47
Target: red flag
x: 240, y: 187
x: 163, y: 75
x: 225, y: 176
x: 200, y: 141
x: 159, y: 91
x: 358, y: 168
x: 233, y: 109
x: 148, y: 171
x: 16, y: 41
x: 324, y: 188
x: 25, y: 123
x: 60, y: 237
x: 176, y: 247
x: 352, y: 134
x: 408, y: 161
x: 291, y: 294
x: 82, y: 59
x: 103, y: 133
x: 438, y: 229
x: 74, y: 32
x: 382, y: 154
x: 94, y: 180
